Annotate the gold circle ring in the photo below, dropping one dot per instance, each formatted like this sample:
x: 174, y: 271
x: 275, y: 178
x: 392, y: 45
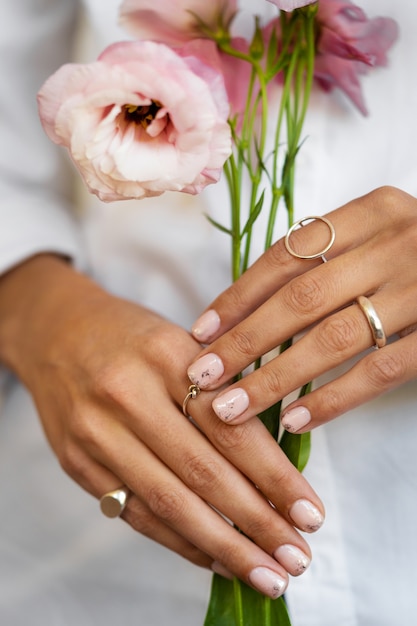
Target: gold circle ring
x: 113, y: 503
x: 373, y: 320
x: 320, y: 253
x: 193, y: 392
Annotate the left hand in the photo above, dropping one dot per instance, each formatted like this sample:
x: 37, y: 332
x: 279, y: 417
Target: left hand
x: 374, y: 254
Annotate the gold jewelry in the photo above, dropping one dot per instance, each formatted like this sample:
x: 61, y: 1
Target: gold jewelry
x: 193, y: 391
x: 112, y: 504
x: 321, y: 253
x: 374, y: 322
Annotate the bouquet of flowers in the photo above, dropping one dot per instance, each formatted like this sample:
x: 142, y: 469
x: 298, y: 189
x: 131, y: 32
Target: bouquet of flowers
x: 188, y: 98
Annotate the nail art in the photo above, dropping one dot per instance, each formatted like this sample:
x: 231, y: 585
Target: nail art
x: 295, y: 418
x: 268, y: 582
x: 206, y: 370
x: 231, y: 404
x: 206, y: 326
x: 292, y: 558
x: 306, y: 516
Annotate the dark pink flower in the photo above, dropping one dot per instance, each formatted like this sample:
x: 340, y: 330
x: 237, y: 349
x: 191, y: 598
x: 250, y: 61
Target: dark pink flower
x: 348, y: 44
x: 175, y: 22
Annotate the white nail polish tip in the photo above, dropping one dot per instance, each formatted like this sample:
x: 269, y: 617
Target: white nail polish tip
x: 268, y: 582
x: 292, y: 558
x: 306, y: 516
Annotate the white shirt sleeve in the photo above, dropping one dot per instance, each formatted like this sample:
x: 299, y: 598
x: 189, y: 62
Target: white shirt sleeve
x: 36, y: 182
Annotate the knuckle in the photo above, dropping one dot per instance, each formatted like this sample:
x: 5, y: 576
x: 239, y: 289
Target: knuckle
x: 230, y: 438
x: 166, y: 503
x: 235, y: 297
x: 337, y: 335
x: 304, y: 296
x: 277, y: 256
x: 201, y: 473
x: 258, y: 527
x: 386, y: 198
x: 229, y: 555
x: 139, y: 517
x: 270, y: 381
x: 244, y: 342
x: 72, y: 461
x: 332, y: 402
x: 85, y: 427
x: 386, y: 369
x: 112, y: 382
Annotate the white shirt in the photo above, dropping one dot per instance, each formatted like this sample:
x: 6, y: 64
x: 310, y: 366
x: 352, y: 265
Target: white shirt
x: 60, y: 561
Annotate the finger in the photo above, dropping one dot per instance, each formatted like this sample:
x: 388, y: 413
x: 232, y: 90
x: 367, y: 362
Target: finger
x: 207, y: 473
x: 354, y: 223
x: 378, y: 372
x: 187, y: 514
x: 329, y: 344
x: 308, y: 298
x: 297, y: 305
x: 98, y: 480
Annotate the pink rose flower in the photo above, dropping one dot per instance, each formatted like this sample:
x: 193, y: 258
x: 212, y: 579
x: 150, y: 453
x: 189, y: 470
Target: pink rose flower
x: 175, y: 21
x: 349, y: 43
x: 139, y: 121
x: 290, y: 5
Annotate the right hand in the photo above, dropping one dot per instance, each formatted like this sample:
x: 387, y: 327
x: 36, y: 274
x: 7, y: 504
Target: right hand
x: 108, y: 378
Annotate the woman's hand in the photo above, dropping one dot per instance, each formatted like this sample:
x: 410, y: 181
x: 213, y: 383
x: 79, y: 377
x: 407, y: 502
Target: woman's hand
x: 108, y: 378
x: 374, y: 254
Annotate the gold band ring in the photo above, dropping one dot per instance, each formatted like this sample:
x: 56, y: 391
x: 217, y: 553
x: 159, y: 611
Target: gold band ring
x: 112, y: 504
x: 322, y: 252
x: 193, y: 391
x: 374, y: 322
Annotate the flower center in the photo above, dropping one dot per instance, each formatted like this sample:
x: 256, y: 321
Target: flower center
x: 142, y: 114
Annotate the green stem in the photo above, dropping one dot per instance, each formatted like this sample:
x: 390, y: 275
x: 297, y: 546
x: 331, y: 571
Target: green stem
x: 266, y: 612
x: 237, y: 592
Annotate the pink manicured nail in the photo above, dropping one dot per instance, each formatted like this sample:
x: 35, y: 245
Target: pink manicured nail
x: 206, y: 326
x: 295, y: 418
x: 268, y: 582
x: 306, y: 516
x: 206, y: 370
x: 231, y: 404
x: 292, y: 558
x: 220, y: 569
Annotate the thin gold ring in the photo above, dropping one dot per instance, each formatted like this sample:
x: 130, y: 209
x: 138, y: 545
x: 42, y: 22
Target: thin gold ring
x: 113, y: 503
x: 319, y: 254
x: 374, y: 321
x: 193, y: 391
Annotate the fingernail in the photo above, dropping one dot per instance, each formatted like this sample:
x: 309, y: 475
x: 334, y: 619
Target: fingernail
x: 231, y: 404
x: 268, y: 582
x: 306, y: 516
x: 295, y: 418
x: 292, y: 558
x: 206, y: 370
x: 220, y: 569
x: 206, y: 326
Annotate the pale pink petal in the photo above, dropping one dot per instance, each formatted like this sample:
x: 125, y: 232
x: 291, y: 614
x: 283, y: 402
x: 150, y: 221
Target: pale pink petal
x: 95, y: 111
x: 290, y: 5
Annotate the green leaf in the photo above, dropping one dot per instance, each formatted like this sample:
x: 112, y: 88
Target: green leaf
x: 270, y: 419
x: 254, y: 214
x: 254, y: 609
x: 218, y: 225
x: 297, y: 448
